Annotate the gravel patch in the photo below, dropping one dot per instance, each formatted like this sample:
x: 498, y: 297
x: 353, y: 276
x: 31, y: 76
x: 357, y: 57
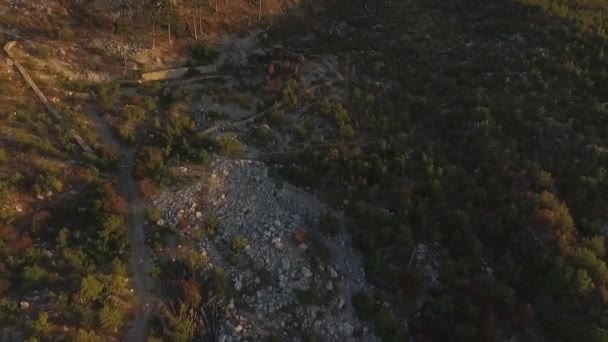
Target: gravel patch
x: 287, y: 277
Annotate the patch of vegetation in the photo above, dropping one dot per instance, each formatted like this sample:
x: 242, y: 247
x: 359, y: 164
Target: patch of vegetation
x: 262, y: 135
x: 203, y: 53
x: 3, y: 156
x: 219, y: 282
x: 212, y: 224
x: 310, y: 297
x: 328, y: 223
x: 299, y: 132
x: 365, y: 305
x: 229, y: 145
x: 238, y: 243
x: 123, y: 26
x: 216, y: 116
x: 277, y: 117
x: 340, y: 116
x: 195, y: 260
x: 105, y: 92
x: 292, y: 92
x: 153, y: 214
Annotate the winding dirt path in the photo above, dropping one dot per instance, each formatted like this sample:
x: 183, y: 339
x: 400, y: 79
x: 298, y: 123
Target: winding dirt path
x: 140, y: 262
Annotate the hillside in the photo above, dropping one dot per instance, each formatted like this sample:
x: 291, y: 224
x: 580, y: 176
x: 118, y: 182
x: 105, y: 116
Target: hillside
x: 304, y: 171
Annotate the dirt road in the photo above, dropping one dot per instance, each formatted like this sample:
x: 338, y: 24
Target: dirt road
x: 140, y: 262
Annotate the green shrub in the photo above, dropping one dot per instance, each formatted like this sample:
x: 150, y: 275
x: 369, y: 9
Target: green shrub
x: 387, y: 326
x: 339, y: 114
x: 149, y: 104
x: 108, y: 157
x: 48, y: 183
x: 311, y: 337
x: 9, y: 311
x: 126, y: 133
x: 291, y: 92
x: 32, y: 275
x: 262, y: 135
x: 41, y: 326
x: 212, y: 224
x: 150, y: 164
x: 196, y: 260
x: 216, y: 116
x: 3, y: 156
x: 83, y: 335
x: 112, y: 316
x: 131, y: 113
x: 64, y: 32
x: 274, y: 338
x: 277, y: 116
x: 219, y: 282
x: 299, y: 132
x: 203, y: 53
x: 181, y: 95
x: 309, y: 297
x: 90, y: 289
x: 230, y: 146
x: 365, y: 305
x: 43, y: 51
x: 238, y: 243
x: 152, y: 89
x: 153, y: 214
x: 123, y: 26
x: 328, y: 223
x: 133, y: 74
x: 106, y: 91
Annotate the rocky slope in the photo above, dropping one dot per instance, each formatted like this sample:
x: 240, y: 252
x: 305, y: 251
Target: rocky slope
x: 288, y: 277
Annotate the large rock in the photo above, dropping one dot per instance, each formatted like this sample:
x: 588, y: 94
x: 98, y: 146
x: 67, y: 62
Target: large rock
x: 285, y: 264
x: 306, y: 272
x: 348, y: 328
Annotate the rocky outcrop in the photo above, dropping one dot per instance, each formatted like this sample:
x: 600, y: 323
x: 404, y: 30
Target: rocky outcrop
x: 289, y: 278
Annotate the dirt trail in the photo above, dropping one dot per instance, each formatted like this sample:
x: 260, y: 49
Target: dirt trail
x: 140, y: 262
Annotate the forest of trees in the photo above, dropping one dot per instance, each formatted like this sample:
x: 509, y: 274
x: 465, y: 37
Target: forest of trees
x: 485, y: 130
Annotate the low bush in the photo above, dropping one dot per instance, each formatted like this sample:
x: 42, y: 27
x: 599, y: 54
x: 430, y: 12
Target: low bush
x: 219, y: 282
x: 153, y: 214
x: 148, y: 189
x: 195, y: 260
x: 365, y: 305
x: 123, y: 26
x: 238, y: 243
x: 203, y: 53
x: 132, y: 113
x: 277, y: 116
x: 310, y: 297
x: 230, y: 146
x: 126, y: 133
x: 64, y: 32
x: 105, y: 92
x: 292, y: 92
x: 328, y: 223
x: 299, y: 132
x: 212, y: 224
